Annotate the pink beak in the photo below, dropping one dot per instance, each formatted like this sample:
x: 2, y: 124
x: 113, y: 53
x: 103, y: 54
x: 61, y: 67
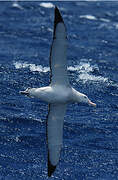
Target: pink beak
x: 92, y: 104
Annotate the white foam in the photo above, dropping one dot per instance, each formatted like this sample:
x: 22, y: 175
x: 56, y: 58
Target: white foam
x: 75, y: 68
x: 104, y: 20
x: 82, y: 67
x: 47, y: 5
x: 116, y: 25
x: 90, y: 17
x: 49, y: 29
x: 84, y: 70
x: 87, y: 77
x: 16, y: 5
x: 32, y: 67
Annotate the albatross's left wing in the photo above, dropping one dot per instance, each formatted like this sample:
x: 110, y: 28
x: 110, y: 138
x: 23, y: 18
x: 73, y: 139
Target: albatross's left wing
x: 55, y: 134
x: 58, y: 66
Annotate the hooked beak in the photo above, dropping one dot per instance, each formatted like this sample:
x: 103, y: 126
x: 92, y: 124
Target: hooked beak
x: 24, y: 92
x: 91, y: 103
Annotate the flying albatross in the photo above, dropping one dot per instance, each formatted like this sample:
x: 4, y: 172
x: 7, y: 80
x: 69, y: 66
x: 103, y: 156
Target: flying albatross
x: 58, y: 94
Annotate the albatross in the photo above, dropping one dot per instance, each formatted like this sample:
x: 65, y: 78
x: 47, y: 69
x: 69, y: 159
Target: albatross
x: 58, y: 94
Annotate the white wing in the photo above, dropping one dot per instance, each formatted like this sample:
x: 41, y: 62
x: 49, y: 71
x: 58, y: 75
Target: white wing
x: 58, y: 60
x: 55, y: 134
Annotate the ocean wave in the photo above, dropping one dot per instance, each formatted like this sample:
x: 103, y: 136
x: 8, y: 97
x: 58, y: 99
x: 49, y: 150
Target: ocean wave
x: 83, y: 69
x: 16, y: 5
x: 90, y: 17
x: 32, y: 67
x: 46, y: 4
x: 104, y: 20
x: 87, y: 77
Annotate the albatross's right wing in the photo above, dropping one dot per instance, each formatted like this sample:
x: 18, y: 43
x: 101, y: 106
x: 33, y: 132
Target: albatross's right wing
x: 58, y: 59
x: 55, y: 134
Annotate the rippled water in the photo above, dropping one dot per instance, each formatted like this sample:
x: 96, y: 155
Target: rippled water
x: 90, y: 149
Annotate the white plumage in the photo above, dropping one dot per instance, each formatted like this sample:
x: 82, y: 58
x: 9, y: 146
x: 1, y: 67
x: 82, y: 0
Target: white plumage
x: 58, y: 93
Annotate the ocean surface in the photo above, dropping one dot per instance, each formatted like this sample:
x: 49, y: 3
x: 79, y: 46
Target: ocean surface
x: 90, y: 145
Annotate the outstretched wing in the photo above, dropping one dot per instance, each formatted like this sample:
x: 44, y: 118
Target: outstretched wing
x: 55, y: 134
x: 58, y: 60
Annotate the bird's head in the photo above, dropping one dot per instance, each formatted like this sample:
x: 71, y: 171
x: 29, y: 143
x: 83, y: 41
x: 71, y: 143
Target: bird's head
x: 30, y: 92
x: 26, y: 92
x: 84, y: 99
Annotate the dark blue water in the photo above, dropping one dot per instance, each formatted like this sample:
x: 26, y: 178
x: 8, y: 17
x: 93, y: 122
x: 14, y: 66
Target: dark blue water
x: 90, y: 148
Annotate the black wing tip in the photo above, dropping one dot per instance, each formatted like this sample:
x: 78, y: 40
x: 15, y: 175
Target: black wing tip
x: 58, y: 17
x: 51, y: 168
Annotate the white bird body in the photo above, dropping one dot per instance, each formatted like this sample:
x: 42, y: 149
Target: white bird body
x: 58, y: 94
x: 54, y: 94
